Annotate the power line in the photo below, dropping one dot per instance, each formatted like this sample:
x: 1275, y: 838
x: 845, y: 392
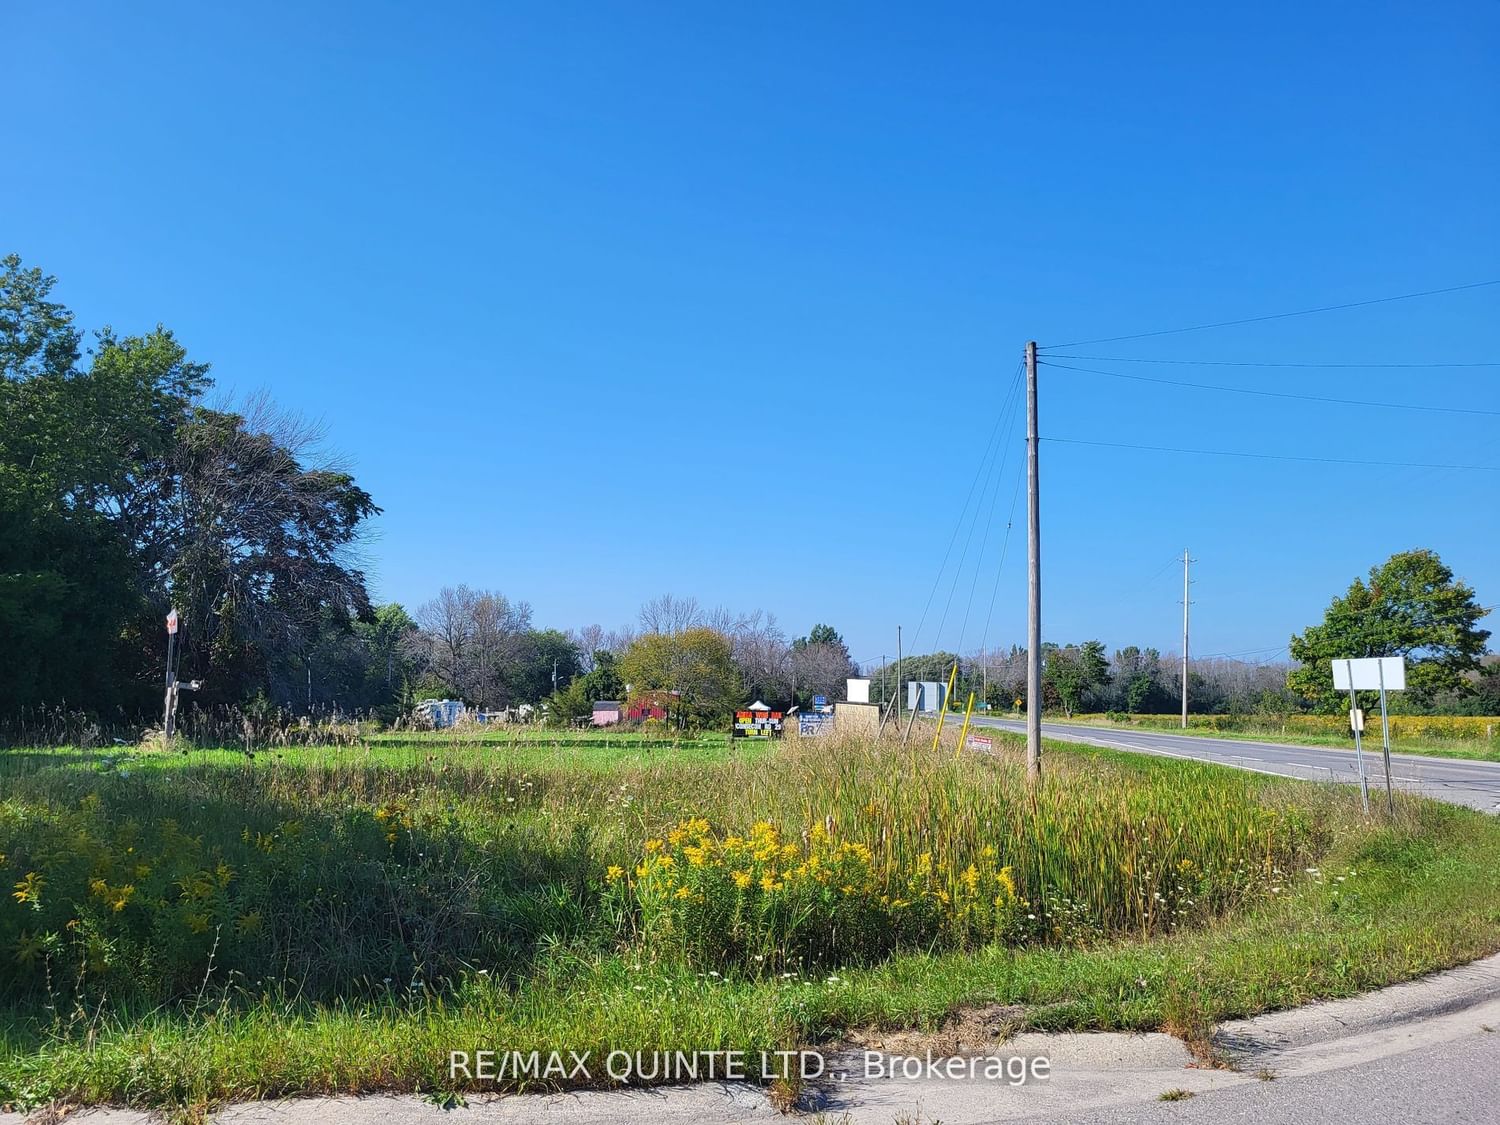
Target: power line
x: 1277, y: 316
x: 1259, y: 363
x: 1278, y: 456
x: 997, y: 471
x: 980, y: 471
x: 1279, y: 394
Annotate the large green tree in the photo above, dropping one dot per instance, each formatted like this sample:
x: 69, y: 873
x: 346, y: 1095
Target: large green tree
x: 122, y: 494
x: 1411, y: 606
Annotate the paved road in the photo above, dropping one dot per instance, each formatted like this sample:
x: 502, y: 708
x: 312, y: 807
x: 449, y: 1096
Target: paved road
x: 1462, y: 782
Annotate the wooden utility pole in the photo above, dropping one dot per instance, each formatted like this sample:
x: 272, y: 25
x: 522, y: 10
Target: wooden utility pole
x: 1185, y: 603
x: 1034, y: 579
x: 898, y: 675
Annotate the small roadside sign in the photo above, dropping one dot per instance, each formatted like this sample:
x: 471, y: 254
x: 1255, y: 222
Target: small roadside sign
x: 820, y: 701
x: 172, y: 622
x: 979, y: 742
x: 1357, y: 720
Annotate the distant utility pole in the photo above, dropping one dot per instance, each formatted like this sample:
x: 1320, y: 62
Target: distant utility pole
x: 898, y: 673
x: 1034, y: 579
x: 1185, y: 603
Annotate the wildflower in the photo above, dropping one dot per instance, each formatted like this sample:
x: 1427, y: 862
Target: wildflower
x: 741, y: 879
x: 614, y: 873
x: 29, y: 890
x: 683, y: 892
x: 653, y: 845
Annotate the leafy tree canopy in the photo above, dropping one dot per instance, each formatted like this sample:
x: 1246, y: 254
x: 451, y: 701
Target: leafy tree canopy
x: 1411, y: 606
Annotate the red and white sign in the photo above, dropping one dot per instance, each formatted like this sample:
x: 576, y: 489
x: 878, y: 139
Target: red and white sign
x: 172, y: 622
x: 979, y: 742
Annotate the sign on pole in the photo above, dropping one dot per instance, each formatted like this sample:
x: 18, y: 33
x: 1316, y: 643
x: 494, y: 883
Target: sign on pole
x: 1371, y: 673
x: 1366, y: 674
x: 172, y: 623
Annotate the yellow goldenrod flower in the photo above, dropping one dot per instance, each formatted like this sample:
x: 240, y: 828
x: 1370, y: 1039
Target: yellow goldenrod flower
x: 29, y: 889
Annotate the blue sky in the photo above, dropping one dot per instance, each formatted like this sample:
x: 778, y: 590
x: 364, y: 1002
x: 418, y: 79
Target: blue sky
x: 614, y: 299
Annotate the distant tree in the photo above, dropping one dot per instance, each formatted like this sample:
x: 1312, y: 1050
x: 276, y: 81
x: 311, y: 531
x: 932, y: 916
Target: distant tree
x: 476, y: 640
x: 548, y: 662
x: 1075, y: 670
x: 602, y: 681
x: 1412, y: 606
x: 697, y: 663
x: 670, y: 615
x: 763, y: 657
x: 1486, y: 692
x: 569, y: 706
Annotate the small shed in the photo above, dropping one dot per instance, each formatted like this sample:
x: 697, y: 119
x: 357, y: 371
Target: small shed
x: 607, y: 712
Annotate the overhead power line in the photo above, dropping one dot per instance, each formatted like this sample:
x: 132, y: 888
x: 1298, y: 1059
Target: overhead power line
x: 1278, y: 456
x: 1257, y: 363
x: 1277, y: 316
x: 1278, y: 394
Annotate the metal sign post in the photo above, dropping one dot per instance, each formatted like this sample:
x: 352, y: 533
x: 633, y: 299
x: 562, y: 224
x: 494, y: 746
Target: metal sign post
x: 1359, y: 756
x: 169, y: 708
x: 1385, y: 740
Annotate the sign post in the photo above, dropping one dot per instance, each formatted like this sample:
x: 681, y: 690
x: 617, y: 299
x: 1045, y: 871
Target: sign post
x: 169, y: 709
x: 1359, y: 755
x: 1385, y: 742
x: 1383, y: 674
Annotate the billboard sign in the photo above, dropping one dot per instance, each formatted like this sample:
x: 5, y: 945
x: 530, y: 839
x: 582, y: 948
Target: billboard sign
x: 757, y: 724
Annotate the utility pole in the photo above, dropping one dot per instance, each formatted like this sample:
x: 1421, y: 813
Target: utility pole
x: 1185, y: 604
x: 898, y: 674
x: 884, y: 698
x: 1034, y: 579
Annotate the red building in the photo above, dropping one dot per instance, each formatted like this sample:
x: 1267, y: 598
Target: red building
x: 651, y: 705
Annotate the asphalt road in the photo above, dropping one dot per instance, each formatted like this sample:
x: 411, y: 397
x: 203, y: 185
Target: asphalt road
x: 1462, y: 782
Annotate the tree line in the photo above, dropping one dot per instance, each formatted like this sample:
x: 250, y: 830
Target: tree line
x: 124, y: 493
x: 1412, y: 606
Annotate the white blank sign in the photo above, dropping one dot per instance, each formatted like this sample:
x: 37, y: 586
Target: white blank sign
x: 1367, y: 673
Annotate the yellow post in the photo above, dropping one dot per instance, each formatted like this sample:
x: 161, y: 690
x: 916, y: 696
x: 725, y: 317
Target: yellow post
x: 942, y: 711
x: 963, y: 734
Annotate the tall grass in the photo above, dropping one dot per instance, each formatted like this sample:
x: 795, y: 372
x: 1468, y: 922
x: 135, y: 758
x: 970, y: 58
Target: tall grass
x: 345, y: 878
x: 188, y: 927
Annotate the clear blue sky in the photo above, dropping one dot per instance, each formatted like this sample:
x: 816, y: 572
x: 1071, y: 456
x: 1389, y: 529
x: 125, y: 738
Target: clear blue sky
x: 608, y: 300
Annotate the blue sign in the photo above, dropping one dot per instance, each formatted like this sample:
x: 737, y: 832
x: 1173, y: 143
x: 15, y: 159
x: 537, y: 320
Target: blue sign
x: 820, y: 701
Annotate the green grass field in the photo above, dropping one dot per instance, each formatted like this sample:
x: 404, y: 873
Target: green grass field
x: 185, y: 929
